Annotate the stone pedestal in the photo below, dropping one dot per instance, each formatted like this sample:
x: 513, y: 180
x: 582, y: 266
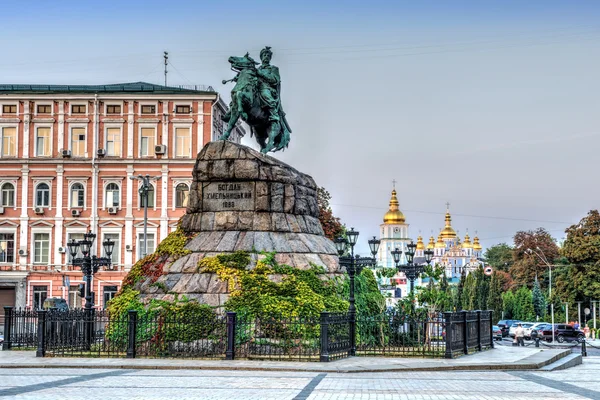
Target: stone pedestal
x: 241, y: 199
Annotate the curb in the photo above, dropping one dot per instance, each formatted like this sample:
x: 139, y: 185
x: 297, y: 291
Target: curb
x: 529, y: 363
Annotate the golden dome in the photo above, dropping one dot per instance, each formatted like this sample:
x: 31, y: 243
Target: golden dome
x: 467, y: 243
x: 420, y: 244
x: 431, y: 243
x: 394, y: 215
x: 476, y: 245
x: 440, y: 243
x: 448, y: 232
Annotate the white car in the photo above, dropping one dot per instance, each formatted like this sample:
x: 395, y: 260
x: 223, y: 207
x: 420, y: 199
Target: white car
x: 525, y: 325
x: 535, y: 326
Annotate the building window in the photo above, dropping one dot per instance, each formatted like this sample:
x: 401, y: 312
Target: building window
x: 149, y: 244
x: 113, y: 142
x: 44, y: 109
x: 8, y: 195
x: 9, y: 109
x: 113, y: 194
x: 39, y: 296
x: 42, y: 195
x: 41, y: 248
x: 109, y: 293
x: 7, y: 247
x: 113, y: 109
x: 76, y: 237
x: 182, y: 109
x: 78, y: 142
x: 148, y: 109
x: 77, y: 195
x: 74, y: 298
x: 9, y: 136
x: 42, y: 141
x: 150, y: 197
x: 147, y: 142
x: 182, y: 192
x: 183, y: 141
x: 115, y: 256
x: 78, y: 109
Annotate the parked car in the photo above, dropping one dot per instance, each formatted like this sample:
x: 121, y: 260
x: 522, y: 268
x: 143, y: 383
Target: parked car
x: 563, y: 332
x: 55, y: 302
x: 534, y: 327
x: 497, y: 332
x: 525, y: 325
x: 505, y: 324
x: 1, y: 339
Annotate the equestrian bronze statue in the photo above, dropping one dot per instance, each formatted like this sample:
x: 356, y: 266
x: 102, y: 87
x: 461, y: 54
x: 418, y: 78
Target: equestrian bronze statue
x: 256, y: 99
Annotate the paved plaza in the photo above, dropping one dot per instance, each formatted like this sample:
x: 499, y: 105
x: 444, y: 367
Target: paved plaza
x: 37, y: 384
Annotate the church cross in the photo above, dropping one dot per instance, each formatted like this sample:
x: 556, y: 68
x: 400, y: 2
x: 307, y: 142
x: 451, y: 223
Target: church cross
x: 393, y: 183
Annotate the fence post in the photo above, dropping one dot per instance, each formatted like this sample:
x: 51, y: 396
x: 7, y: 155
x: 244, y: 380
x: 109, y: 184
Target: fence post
x: 131, y: 333
x: 449, y: 331
x: 324, y: 337
x: 6, y: 345
x: 41, y: 334
x: 479, y: 346
x: 230, y: 352
x: 465, y: 332
x: 491, y: 314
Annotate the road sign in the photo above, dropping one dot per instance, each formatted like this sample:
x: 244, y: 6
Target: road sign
x: 586, y: 311
x: 488, y: 270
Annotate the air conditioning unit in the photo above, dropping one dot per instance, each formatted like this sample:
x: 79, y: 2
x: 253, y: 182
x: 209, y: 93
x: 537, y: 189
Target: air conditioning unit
x: 101, y: 152
x: 62, y: 249
x: 1, y: 210
x: 160, y: 149
x: 112, y: 210
x: 75, y: 213
x: 66, y: 153
x: 38, y: 210
x: 128, y: 247
x: 23, y: 252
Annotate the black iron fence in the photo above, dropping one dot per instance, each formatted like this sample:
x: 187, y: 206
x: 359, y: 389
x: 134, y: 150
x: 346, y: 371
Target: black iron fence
x: 324, y: 338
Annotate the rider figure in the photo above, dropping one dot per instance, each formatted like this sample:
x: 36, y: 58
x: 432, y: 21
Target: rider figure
x: 269, y: 81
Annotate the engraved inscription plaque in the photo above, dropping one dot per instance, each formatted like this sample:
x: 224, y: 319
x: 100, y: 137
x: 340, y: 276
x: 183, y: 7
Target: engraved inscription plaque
x: 228, y: 196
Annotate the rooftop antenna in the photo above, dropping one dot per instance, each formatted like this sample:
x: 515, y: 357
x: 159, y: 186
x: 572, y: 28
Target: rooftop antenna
x: 166, y: 57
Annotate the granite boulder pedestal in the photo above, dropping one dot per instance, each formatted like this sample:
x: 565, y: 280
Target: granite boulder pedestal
x: 243, y: 200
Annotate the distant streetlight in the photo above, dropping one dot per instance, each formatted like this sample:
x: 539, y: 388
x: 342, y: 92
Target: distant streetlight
x: 143, y: 191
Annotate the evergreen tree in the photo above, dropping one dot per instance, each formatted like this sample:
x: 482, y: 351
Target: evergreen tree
x: 539, y: 302
x: 508, y: 303
x: 494, y: 300
x: 524, y: 304
x: 469, y: 293
x: 458, y: 305
x: 482, y: 287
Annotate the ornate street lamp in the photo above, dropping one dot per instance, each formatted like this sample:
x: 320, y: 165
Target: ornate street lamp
x: 409, y: 269
x: 89, y: 265
x: 354, y: 265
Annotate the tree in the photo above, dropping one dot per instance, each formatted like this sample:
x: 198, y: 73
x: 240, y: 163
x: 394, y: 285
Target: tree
x: 332, y: 227
x: 508, y: 303
x: 582, y: 249
x: 494, y: 300
x: 437, y: 294
x: 523, y: 309
x: 458, y: 305
x: 539, y: 301
x: 469, y: 293
x: 531, y: 251
x: 482, y: 287
x: 499, y: 257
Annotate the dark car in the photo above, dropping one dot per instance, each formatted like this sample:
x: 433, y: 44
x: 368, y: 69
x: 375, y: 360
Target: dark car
x: 505, y: 325
x: 55, y: 302
x: 563, y: 332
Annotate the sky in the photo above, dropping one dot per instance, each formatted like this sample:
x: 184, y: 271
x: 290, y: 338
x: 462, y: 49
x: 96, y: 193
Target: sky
x: 491, y: 106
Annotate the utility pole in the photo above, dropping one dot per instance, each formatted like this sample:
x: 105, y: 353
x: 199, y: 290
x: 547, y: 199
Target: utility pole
x: 166, y: 57
x: 579, y: 314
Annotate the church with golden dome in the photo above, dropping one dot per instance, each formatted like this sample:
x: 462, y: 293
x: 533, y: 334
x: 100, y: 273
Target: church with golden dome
x: 448, y: 250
